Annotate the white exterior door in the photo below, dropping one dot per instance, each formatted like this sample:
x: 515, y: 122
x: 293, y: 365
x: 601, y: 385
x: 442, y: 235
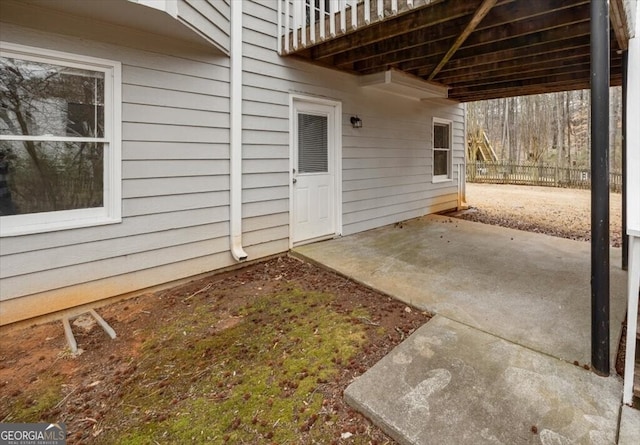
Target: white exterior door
x: 313, y: 173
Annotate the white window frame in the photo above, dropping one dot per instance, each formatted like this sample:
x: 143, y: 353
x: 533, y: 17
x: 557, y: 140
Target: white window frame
x: 111, y: 211
x: 449, y: 176
x: 335, y: 6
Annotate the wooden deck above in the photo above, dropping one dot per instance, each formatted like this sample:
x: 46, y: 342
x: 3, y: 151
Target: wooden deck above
x: 480, y: 49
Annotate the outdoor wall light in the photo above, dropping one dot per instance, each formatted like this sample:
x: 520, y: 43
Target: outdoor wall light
x: 356, y: 122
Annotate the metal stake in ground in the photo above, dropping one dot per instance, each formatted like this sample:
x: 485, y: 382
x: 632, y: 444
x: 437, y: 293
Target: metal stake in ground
x: 600, y: 186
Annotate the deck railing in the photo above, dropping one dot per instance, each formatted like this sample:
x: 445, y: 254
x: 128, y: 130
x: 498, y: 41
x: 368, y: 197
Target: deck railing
x: 303, y: 23
x: 543, y: 175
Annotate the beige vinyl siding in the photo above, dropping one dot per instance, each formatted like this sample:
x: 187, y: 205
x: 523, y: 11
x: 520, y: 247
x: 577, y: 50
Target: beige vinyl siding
x: 23, y: 308
x: 386, y: 165
x: 175, y: 183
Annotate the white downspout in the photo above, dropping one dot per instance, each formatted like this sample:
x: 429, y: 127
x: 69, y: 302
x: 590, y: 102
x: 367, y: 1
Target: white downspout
x: 462, y: 168
x: 235, y: 143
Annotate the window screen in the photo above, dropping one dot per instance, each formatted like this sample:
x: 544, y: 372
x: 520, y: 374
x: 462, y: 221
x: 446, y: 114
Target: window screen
x: 312, y: 143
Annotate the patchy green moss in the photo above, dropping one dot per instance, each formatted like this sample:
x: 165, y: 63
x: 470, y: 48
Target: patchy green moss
x: 28, y: 410
x: 258, y: 381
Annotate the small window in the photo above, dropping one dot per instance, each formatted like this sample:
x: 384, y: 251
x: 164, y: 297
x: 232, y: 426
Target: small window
x: 441, y: 149
x: 59, y: 140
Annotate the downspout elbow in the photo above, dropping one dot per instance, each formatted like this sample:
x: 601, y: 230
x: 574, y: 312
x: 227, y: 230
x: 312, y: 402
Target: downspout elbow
x: 237, y: 251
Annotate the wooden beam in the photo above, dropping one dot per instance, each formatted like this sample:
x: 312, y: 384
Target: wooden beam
x: 547, y: 84
x: 422, y: 64
x: 518, y: 91
x: 618, y: 19
x: 530, y: 25
x: 523, y: 67
x: 521, y: 34
x: 501, y: 14
x: 579, y: 45
x: 492, y: 93
x: 512, y: 91
x: 417, y: 18
x: 541, y: 74
x: 434, y: 50
x: 477, y: 17
x: 578, y: 51
x: 546, y: 55
x: 557, y: 24
x: 411, y: 42
x: 423, y: 56
x: 482, y: 49
x: 510, y: 48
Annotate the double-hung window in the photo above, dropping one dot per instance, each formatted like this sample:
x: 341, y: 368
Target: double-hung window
x: 442, y: 136
x: 59, y: 140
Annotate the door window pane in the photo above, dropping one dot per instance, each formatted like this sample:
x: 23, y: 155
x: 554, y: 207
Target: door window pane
x: 312, y: 143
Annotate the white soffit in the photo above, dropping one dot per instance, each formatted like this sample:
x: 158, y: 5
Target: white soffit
x: 405, y: 85
x: 152, y: 16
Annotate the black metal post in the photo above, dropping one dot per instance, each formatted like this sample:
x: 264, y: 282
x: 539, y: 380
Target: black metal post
x: 625, y: 237
x: 600, y: 186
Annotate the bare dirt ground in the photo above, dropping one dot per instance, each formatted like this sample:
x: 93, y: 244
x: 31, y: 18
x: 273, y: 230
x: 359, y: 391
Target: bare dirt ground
x: 260, y: 355
x: 554, y: 211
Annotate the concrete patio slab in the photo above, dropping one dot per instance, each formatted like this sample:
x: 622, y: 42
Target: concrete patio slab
x: 629, y: 426
x: 452, y: 384
x: 528, y: 288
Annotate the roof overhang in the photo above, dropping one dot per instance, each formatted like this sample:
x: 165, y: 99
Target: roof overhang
x: 147, y: 16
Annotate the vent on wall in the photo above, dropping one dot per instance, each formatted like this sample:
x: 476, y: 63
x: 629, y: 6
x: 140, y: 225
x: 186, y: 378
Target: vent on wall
x: 403, y: 84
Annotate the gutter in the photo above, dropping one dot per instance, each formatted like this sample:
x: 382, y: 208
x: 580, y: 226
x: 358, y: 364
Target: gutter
x: 235, y: 142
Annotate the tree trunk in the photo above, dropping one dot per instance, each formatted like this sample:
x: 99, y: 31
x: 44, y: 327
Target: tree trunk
x: 613, y: 128
x: 505, y: 130
x: 567, y: 116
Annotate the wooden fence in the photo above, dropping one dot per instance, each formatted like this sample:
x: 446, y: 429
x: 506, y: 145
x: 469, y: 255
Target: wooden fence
x: 544, y: 175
